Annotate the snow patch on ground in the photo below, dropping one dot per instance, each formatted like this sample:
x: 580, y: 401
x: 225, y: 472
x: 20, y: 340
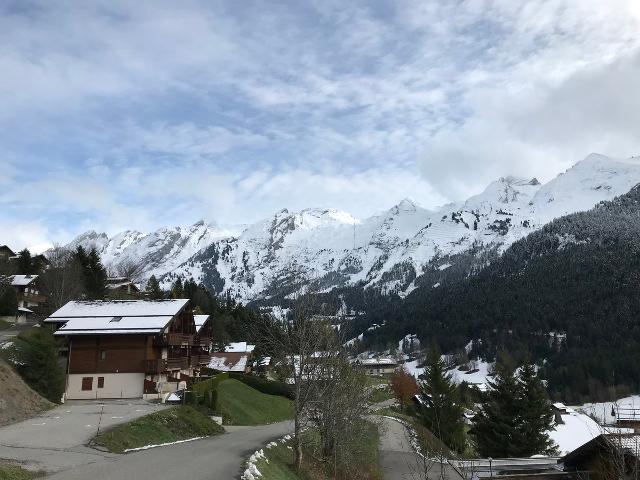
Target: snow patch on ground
x: 603, y: 410
x: 147, y: 447
x: 479, y: 376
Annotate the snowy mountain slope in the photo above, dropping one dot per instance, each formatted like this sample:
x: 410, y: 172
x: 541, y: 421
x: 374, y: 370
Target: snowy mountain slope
x: 389, y: 250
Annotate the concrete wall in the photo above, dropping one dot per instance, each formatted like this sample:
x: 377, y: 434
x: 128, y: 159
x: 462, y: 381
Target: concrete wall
x: 116, y: 385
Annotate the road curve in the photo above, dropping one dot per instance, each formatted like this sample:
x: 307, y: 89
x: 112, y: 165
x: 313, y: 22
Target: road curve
x: 220, y: 457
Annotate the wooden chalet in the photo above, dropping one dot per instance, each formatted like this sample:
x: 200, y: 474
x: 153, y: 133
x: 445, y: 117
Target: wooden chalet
x: 27, y: 291
x: 121, y: 286
x: 606, y: 457
x: 6, y: 253
x: 378, y: 366
x: 127, y: 348
x: 201, y: 349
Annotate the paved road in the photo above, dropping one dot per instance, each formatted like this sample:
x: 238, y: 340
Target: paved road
x: 214, y: 458
x: 399, y: 461
x: 55, y: 440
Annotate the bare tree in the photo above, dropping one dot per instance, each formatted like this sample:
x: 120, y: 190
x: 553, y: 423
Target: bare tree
x: 296, y: 343
x: 339, y: 410
x: 129, y: 269
x: 63, y: 280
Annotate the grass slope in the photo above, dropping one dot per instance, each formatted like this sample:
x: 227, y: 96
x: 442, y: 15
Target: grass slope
x: 176, y: 423
x: 4, y: 325
x: 240, y: 404
x: 18, y: 400
x: 277, y: 463
x: 14, y: 472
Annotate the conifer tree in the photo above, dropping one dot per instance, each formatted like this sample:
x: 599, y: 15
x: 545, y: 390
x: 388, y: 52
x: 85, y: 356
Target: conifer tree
x: 96, y: 276
x: 176, y: 289
x: 536, y: 416
x: 36, y: 355
x: 25, y: 265
x: 443, y: 410
x: 497, y: 425
x: 8, y: 299
x: 153, y: 288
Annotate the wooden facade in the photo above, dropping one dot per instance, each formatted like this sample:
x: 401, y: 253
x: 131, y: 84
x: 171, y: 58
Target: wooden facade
x: 106, y: 362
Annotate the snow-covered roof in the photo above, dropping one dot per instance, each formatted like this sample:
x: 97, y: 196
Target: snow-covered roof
x: 200, y: 320
x: 116, y: 316
x: 122, y: 308
x: 239, y: 347
x: 378, y: 361
x: 576, y: 430
x: 24, y: 310
x: 229, y: 361
x: 22, y: 280
x: 113, y: 325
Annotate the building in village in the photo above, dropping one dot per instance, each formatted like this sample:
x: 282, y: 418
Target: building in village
x: 235, y: 358
x: 28, y: 295
x: 6, y: 253
x: 378, y: 366
x: 606, y: 457
x: 201, y: 348
x: 121, y: 286
x: 129, y: 348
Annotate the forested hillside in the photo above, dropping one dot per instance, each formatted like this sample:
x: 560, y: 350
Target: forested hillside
x: 568, y: 295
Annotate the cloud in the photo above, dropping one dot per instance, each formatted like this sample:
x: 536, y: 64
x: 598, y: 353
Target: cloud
x: 125, y: 115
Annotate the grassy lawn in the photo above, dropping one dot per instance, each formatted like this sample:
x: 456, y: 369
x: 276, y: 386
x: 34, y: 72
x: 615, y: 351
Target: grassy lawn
x: 176, y: 423
x: 14, y: 472
x: 380, y: 395
x: 4, y: 325
x: 373, y: 380
x: 278, y: 461
x: 240, y: 404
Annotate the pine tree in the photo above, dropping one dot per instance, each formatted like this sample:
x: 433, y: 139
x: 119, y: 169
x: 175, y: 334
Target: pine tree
x: 443, y: 411
x: 497, y: 425
x: 95, y: 276
x: 25, y: 265
x: 176, y: 289
x: 8, y: 299
x: 536, y: 416
x: 36, y: 355
x: 153, y: 289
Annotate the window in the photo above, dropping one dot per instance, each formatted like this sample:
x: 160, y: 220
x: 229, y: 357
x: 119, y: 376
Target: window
x: 100, y: 382
x: 103, y: 354
x: 87, y: 383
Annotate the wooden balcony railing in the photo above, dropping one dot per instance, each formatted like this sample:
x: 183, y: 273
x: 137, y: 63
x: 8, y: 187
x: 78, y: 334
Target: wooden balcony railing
x: 179, y: 363
x: 174, y: 339
x: 201, y: 359
x: 202, y: 342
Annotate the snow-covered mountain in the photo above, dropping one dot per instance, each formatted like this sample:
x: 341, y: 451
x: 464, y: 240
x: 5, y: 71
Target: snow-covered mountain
x: 331, y: 248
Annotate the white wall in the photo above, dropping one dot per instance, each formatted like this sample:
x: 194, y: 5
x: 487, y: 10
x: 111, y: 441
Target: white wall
x: 116, y: 385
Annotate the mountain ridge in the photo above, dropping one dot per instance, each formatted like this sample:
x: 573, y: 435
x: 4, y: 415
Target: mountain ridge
x: 329, y: 248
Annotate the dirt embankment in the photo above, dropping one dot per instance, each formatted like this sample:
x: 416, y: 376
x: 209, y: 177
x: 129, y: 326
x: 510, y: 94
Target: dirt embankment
x: 17, y: 400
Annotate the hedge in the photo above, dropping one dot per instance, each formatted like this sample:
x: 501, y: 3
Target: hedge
x: 205, y: 392
x: 263, y: 385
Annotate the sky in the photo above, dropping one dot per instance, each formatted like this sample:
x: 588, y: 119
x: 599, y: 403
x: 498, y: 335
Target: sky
x: 122, y: 115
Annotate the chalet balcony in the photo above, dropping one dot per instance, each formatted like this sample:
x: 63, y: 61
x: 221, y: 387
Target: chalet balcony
x: 179, y: 363
x: 33, y: 297
x: 174, y: 339
x: 202, y: 342
x: 200, y: 360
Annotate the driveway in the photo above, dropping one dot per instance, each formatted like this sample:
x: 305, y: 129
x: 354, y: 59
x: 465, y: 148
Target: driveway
x: 56, y: 439
x: 214, y: 458
x: 400, y: 462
